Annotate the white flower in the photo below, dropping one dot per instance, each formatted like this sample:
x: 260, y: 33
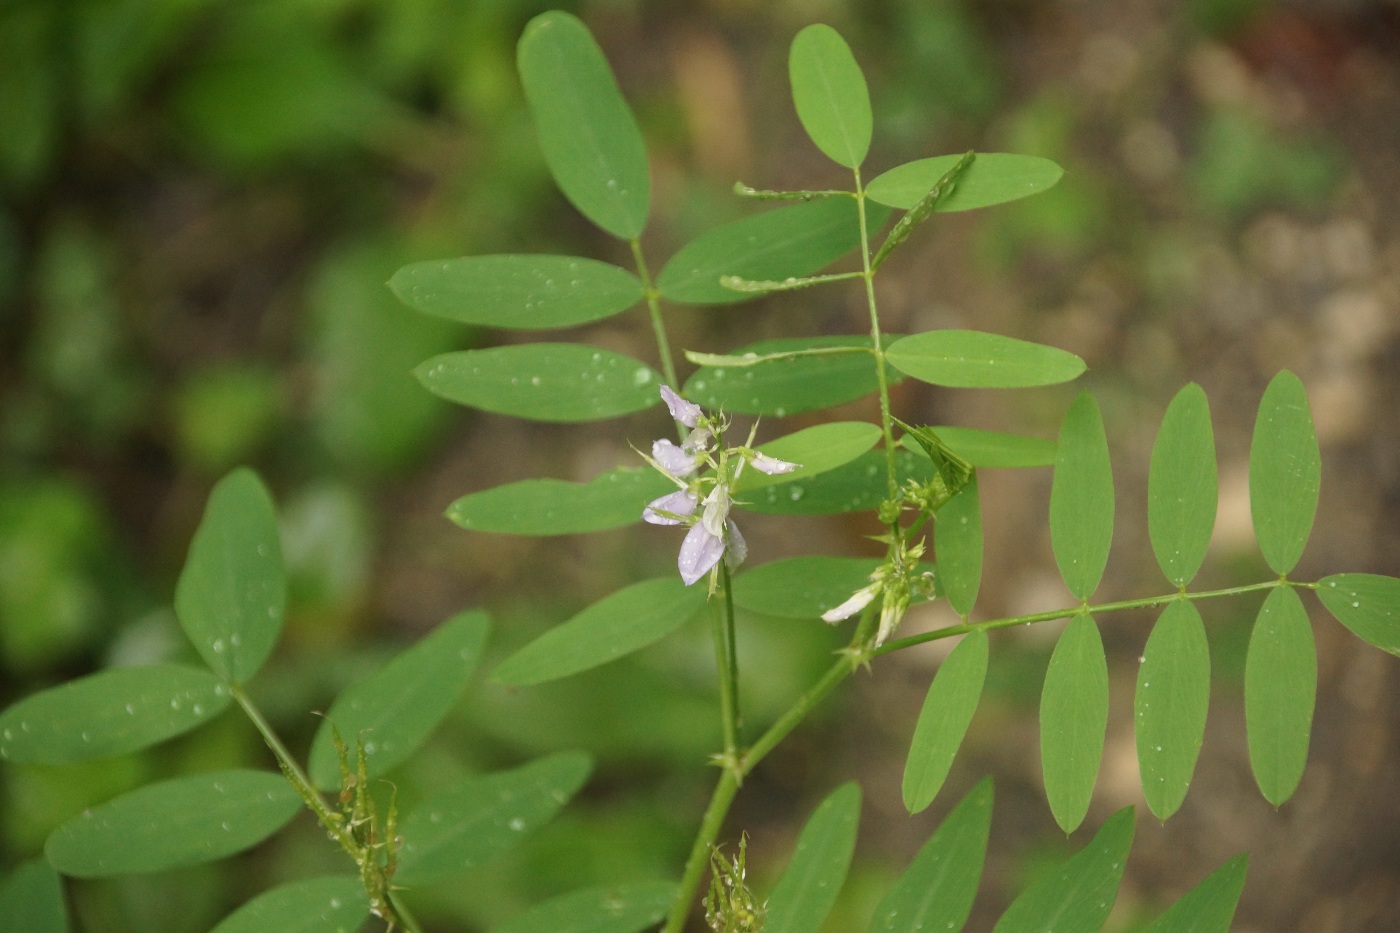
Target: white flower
x: 687, y: 413
x: 858, y: 601
x: 675, y: 461
x: 716, y: 510
x: 677, y: 503
x: 772, y: 465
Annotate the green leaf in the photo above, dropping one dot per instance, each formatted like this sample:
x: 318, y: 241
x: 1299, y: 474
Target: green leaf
x: 31, y: 899
x: 818, y: 449
x: 1285, y: 471
x: 937, y: 889
x: 952, y: 699
x: 921, y: 211
x: 970, y: 359
x: 1280, y: 687
x: 617, y: 625
x: 855, y: 487
x: 173, y: 824
x: 1081, y: 499
x: 587, y: 132
x: 829, y: 92
x: 396, y: 708
x: 315, y: 905
x: 787, y: 386
x: 1173, y: 693
x: 957, y: 542
x: 1080, y: 895
x: 109, y: 713
x: 1073, y: 720
x: 617, y: 908
x: 801, y: 587
x: 804, y: 895
x: 1366, y: 603
x: 465, y: 826
x: 558, y: 507
x: 1182, y: 487
x: 528, y: 292
x: 1209, y: 906
x: 232, y: 593
x: 561, y: 382
x: 787, y: 242
x: 992, y: 448
x: 992, y: 178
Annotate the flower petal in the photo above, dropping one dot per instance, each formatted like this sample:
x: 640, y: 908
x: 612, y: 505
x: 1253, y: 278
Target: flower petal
x: 700, y: 551
x: 716, y: 510
x: 673, y: 459
x: 858, y: 601
x: 738, y: 547
x: 772, y: 465
x: 687, y: 413
x: 682, y: 502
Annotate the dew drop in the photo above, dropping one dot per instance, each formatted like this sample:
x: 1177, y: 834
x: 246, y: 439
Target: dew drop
x: 517, y: 824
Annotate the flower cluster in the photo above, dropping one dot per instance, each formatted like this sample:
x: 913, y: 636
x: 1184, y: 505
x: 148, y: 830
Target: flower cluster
x: 894, y: 582
x: 712, y: 533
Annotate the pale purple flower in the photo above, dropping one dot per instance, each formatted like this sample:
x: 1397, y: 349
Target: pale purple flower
x: 687, y: 413
x: 738, y: 547
x: 675, y: 461
x: 858, y: 601
x: 772, y: 465
x: 700, y: 551
x: 682, y: 502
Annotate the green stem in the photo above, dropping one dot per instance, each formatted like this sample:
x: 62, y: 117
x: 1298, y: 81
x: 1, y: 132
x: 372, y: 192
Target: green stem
x: 727, y: 662
x: 876, y: 346
x: 391, y: 911
x: 699, y: 857
x: 1146, y: 603
x: 658, y: 326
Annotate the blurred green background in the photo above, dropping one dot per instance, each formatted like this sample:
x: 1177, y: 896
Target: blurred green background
x: 202, y: 201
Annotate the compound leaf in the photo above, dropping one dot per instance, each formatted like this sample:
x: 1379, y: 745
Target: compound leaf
x: 466, y: 825
x: 1280, y: 687
x: 617, y: 625
x: 857, y: 486
x: 173, y: 824
x: 829, y: 92
x: 109, y: 713
x: 818, y: 449
x: 804, y: 895
x: 1285, y: 471
x: 952, y: 699
x: 587, y: 132
x: 992, y: 448
x: 1073, y: 720
x: 1081, y: 499
x: 1173, y: 693
x: 560, y: 382
x: 522, y: 291
x: 395, y: 709
x: 232, y: 593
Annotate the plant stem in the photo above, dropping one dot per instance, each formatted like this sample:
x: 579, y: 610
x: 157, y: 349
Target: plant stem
x: 1145, y: 603
x: 389, y: 909
x: 699, y: 857
x: 727, y: 662
x: 658, y: 326
x: 876, y: 346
